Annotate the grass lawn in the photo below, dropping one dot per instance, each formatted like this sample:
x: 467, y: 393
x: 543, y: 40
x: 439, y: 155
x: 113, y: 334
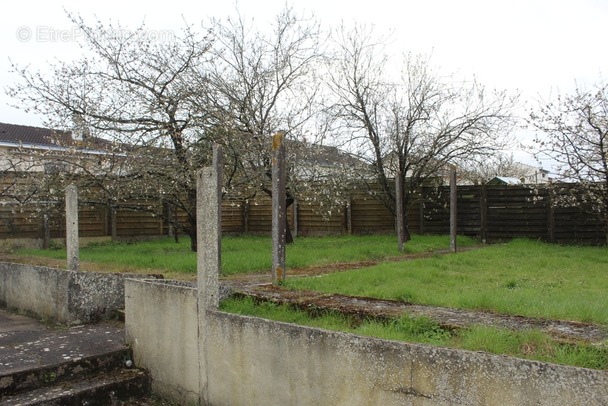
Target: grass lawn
x: 522, y: 277
x: 248, y: 253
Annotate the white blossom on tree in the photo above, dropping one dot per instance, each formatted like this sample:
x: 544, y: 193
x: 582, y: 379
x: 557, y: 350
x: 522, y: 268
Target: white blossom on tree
x: 573, y: 133
x: 147, y: 98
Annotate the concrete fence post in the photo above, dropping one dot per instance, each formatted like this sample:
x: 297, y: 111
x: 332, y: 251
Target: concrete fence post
x: 71, y: 227
x: 399, y: 211
x: 209, y: 231
x: 209, y: 237
x: 453, y: 208
x: 279, y: 225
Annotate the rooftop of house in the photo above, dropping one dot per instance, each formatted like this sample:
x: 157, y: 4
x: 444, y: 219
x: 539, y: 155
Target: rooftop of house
x: 323, y: 155
x: 28, y: 135
x: 504, y: 180
x: 13, y: 135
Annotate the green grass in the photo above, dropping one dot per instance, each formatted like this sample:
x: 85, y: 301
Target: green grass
x: 522, y: 277
x: 529, y: 344
x: 249, y: 253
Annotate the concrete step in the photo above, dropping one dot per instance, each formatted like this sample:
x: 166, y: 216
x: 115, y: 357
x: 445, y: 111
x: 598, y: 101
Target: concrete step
x: 50, y: 374
x: 43, y: 364
x: 105, y: 388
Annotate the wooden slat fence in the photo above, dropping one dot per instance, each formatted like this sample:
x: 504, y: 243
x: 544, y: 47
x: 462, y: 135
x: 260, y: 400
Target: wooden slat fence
x: 486, y: 212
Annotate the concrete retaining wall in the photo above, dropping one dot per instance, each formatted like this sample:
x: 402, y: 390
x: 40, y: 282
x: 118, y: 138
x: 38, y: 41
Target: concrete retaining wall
x: 252, y: 361
x: 59, y: 295
x: 162, y: 328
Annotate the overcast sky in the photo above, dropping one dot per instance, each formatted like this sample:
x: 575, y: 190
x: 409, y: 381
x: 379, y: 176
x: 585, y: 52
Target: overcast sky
x: 534, y: 46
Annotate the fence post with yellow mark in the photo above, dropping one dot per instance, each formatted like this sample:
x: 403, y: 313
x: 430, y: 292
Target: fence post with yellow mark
x: 279, y: 230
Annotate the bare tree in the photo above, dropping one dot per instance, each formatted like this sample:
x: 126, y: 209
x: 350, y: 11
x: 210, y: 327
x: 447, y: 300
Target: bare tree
x: 573, y: 133
x: 146, y: 96
x: 410, y: 125
x: 265, y: 83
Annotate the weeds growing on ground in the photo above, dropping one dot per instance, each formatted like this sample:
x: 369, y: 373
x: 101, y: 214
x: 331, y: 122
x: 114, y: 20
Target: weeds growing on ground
x: 522, y: 277
x: 529, y: 344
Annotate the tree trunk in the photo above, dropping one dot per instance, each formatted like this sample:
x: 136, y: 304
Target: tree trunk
x: 289, y: 199
x: 193, y: 243
x: 288, y: 236
x: 191, y: 229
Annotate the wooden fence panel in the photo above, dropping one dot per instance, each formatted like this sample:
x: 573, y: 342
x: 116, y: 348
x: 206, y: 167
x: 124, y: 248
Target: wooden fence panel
x: 133, y: 223
x: 435, y: 216
x: 575, y: 225
x: 469, y: 211
x: 233, y: 216
x: 20, y: 221
x: 369, y: 216
x: 260, y: 216
x: 414, y: 221
x: 311, y: 222
x: 92, y: 221
x: 515, y: 211
x: 489, y: 212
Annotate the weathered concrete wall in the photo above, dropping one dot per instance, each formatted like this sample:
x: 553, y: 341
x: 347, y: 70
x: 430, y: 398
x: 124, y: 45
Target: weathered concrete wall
x: 252, y: 361
x: 197, y: 354
x: 255, y: 361
x: 35, y: 289
x: 162, y: 328
x: 94, y: 296
x: 59, y: 295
